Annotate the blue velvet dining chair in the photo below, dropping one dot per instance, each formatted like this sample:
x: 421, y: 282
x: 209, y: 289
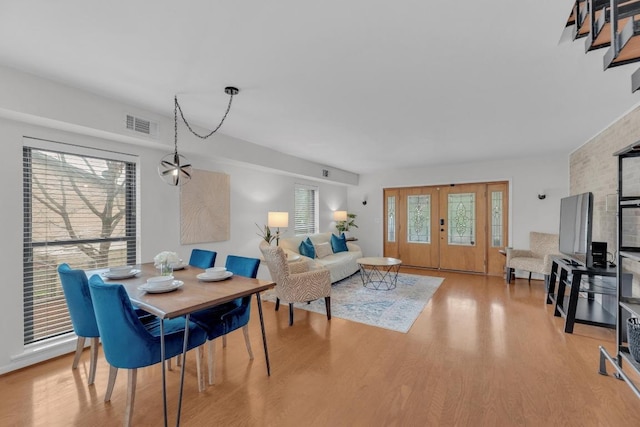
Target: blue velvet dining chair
x: 130, y: 342
x: 219, y: 321
x: 75, y: 286
x: 202, y: 258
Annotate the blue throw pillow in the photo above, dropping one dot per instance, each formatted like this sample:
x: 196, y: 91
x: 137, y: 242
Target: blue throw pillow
x: 339, y: 244
x: 306, y: 248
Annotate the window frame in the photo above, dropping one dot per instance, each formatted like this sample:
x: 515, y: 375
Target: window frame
x: 130, y: 235
x: 301, y: 226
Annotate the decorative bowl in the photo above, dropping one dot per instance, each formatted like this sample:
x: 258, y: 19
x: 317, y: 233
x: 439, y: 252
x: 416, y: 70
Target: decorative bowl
x: 216, y: 271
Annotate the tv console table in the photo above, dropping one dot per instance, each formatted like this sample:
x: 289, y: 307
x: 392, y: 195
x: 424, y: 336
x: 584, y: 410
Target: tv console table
x: 579, y: 278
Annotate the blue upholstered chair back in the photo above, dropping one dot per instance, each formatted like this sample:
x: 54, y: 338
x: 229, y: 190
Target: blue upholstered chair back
x: 242, y: 266
x: 202, y: 258
x: 221, y: 320
x: 127, y: 341
x: 76, y: 291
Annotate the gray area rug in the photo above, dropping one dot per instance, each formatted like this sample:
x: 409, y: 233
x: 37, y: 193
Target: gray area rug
x: 396, y: 309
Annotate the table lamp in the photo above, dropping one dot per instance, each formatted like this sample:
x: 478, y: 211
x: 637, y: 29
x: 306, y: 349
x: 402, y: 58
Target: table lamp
x: 277, y: 220
x: 340, y: 216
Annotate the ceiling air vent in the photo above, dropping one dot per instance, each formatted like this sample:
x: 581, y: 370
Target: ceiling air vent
x: 140, y: 125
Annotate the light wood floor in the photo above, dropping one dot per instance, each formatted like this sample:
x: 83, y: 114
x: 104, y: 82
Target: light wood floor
x: 481, y: 354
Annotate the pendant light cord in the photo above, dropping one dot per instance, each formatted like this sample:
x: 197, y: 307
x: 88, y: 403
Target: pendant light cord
x: 175, y: 126
x: 178, y: 108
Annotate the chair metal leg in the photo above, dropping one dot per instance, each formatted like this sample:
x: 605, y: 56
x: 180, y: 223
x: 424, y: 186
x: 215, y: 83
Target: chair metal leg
x: 95, y: 341
x: 264, y: 335
x: 245, y: 332
x: 290, y: 314
x: 509, y: 274
x: 113, y: 373
x: 327, y: 303
x: 529, y: 277
x: 277, y: 303
x: 212, y: 361
x: 79, y: 348
x: 224, y: 341
x: 199, y: 372
x: 131, y: 396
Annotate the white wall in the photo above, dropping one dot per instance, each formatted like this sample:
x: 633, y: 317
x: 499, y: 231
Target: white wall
x: 527, y: 176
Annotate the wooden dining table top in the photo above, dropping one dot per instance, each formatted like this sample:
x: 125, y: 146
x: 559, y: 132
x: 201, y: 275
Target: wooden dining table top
x: 194, y: 295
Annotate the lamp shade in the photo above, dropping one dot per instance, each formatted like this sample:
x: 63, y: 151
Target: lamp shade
x: 340, y: 216
x: 278, y: 219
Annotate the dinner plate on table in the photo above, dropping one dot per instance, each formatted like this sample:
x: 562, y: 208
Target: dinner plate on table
x: 206, y: 278
x: 179, y: 266
x: 120, y: 274
x: 161, y: 289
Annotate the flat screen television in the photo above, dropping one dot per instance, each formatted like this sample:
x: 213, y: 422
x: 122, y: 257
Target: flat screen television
x: 576, y: 222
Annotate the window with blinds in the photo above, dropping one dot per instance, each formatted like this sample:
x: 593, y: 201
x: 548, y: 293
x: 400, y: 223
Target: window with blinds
x: 306, y: 209
x: 79, y: 210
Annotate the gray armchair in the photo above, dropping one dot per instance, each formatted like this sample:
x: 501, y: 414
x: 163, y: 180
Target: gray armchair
x: 537, y: 259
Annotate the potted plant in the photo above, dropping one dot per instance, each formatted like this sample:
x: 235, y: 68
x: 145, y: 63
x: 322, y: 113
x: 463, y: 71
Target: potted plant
x: 345, y: 226
x: 266, y: 234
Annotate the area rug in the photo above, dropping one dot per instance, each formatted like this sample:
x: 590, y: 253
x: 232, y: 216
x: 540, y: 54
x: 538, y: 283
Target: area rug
x: 396, y: 309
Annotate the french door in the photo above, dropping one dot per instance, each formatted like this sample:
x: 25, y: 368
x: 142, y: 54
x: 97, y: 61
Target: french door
x: 458, y: 227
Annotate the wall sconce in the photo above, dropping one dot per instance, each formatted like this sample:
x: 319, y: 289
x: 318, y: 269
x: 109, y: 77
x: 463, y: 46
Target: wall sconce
x: 541, y: 195
x: 277, y: 220
x: 340, y: 215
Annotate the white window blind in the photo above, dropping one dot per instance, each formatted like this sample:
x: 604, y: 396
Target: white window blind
x: 306, y: 209
x: 79, y: 210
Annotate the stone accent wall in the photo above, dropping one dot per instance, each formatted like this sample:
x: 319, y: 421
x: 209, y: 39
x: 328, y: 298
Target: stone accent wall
x: 594, y: 168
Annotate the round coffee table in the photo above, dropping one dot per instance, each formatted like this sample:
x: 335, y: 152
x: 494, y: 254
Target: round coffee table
x: 379, y: 273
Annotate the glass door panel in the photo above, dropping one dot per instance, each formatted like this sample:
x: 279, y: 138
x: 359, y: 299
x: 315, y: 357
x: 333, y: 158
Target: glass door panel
x: 391, y: 218
x: 497, y: 232
x: 463, y: 231
x: 419, y: 219
x: 497, y: 206
x: 391, y: 247
x: 462, y: 219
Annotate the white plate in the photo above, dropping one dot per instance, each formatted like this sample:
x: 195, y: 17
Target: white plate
x: 159, y: 290
x: 206, y: 278
x: 179, y: 266
x: 118, y: 275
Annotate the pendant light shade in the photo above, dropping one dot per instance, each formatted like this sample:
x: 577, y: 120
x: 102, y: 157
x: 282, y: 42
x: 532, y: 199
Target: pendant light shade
x: 175, y: 169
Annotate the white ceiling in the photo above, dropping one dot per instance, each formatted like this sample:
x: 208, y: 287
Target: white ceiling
x: 359, y: 85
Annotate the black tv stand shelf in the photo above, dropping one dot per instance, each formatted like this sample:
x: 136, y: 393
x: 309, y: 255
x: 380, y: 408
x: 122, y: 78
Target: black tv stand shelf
x: 580, y: 279
x: 589, y: 312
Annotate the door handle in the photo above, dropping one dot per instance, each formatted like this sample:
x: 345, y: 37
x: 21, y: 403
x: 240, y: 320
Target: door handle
x: 441, y: 221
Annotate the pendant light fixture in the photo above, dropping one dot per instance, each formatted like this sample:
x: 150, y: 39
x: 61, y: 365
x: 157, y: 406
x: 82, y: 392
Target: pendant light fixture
x: 174, y: 168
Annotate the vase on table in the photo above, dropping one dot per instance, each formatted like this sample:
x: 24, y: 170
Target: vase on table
x: 165, y: 269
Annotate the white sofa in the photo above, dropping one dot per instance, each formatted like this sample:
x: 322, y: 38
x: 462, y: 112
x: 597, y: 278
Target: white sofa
x: 340, y: 265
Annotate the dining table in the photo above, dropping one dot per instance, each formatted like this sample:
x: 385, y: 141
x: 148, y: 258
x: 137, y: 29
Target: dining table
x: 193, y: 294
